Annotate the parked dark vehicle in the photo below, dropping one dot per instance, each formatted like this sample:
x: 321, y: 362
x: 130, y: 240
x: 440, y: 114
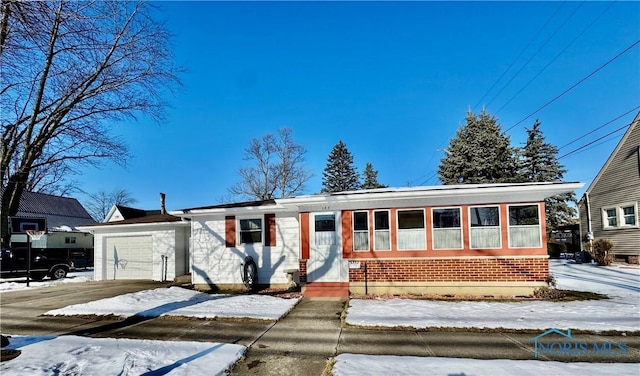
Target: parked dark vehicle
x: 13, y: 263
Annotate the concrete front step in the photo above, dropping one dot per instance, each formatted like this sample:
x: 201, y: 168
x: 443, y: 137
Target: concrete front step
x: 182, y: 279
x: 326, y: 290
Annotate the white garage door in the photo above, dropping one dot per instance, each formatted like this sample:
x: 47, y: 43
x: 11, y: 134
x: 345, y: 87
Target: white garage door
x: 129, y: 257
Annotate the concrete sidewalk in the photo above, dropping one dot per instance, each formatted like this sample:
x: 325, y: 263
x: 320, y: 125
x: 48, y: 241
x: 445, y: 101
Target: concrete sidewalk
x: 299, y: 344
x: 311, y: 334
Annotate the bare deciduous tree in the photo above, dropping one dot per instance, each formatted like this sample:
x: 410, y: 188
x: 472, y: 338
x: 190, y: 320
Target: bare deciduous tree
x: 70, y: 71
x: 278, y: 171
x: 99, y: 204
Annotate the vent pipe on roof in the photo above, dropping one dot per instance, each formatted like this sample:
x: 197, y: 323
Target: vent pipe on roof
x: 163, y: 209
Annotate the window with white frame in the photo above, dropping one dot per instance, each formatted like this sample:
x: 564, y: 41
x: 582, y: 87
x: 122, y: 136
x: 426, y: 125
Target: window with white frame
x: 485, y: 227
x: 381, y: 231
x: 610, y: 217
x: 524, y: 226
x: 361, y: 231
x: 447, y: 228
x: 325, y: 229
x: 411, y: 229
x: 620, y: 216
x: 250, y: 231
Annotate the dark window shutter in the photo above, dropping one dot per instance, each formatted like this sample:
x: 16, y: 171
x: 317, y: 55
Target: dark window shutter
x: 270, y: 233
x: 230, y: 231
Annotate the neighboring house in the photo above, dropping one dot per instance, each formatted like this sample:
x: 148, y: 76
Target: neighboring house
x: 487, y: 239
x: 63, y: 217
x: 609, y: 208
x: 569, y: 235
x: 120, y: 212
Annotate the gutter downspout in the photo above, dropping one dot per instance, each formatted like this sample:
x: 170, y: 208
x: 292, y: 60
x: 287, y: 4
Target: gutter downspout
x: 589, y: 229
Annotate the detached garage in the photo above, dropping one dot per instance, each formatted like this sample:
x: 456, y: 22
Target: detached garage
x: 154, y: 247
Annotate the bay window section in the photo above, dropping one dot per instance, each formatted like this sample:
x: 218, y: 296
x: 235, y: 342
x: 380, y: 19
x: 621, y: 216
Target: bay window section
x: 485, y: 227
x: 411, y: 230
x: 524, y: 227
x: 447, y: 229
x: 361, y: 231
x: 381, y: 231
x: 250, y: 231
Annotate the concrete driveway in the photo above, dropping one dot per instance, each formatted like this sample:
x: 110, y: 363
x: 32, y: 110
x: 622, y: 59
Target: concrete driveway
x: 299, y: 344
x: 21, y: 314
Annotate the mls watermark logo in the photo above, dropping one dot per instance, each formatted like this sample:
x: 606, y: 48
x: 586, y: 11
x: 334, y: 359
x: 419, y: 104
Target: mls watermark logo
x: 556, y: 342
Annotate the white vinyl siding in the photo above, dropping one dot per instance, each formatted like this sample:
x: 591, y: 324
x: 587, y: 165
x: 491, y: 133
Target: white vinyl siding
x: 484, y: 225
x: 524, y: 226
x: 447, y: 228
x: 361, y: 231
x: 411, y: 230
x: 381, y: 231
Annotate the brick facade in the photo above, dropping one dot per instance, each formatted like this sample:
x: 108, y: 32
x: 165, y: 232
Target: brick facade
x: 452, y: 270
x: 302, y: 265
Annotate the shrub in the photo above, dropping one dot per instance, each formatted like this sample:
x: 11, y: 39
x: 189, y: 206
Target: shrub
x: 601, y: 251
x: 555, y: 249
x: 548, y: 293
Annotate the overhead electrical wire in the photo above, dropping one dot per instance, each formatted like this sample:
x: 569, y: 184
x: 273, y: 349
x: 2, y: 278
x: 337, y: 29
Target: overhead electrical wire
x: 594, y: 141
x: 600, y: 127
x: 536, y: 53
x: 575, y: 85
x: 520, y: 54
x: 556, y: 57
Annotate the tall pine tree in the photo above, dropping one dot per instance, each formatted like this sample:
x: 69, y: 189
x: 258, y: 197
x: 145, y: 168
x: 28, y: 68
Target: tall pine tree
x: 371, y: 178
x: 480, y: 153
x: 539, y: 163
x: 340, y: 175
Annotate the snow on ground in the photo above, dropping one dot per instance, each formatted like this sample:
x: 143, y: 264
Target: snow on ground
x: 620, y: 312
x: 351, y: 364
x: 80, y: 355
x: 176, y: 301
x: 72, y: 355
x: 13, y: 284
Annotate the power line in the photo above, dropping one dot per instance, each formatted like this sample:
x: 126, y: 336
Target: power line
x: 600, y: 127
x: 594, y: 141
x: 556, y: 57
x: 575, y: 85
x: 520, y: 54
x: 536, y: 53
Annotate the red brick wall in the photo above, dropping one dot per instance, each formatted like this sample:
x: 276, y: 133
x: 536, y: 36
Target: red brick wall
x: 452, y: 270
x: 302, y: 266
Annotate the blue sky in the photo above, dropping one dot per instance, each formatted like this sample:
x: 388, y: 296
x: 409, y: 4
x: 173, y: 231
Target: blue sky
x: 393, y: 80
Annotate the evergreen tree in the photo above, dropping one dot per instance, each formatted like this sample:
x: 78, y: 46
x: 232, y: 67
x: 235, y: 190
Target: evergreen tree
x: 539, y: 163
x: 371, y: 178
x: 480, y: 153
x: 340, y: 175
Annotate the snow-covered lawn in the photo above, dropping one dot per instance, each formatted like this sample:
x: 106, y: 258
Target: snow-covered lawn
x: 353, y: 365
x: 620, y: 312
x: 72, y: 355
x: 176, y: 301
x: 79, y: 355
x: 13, y: 284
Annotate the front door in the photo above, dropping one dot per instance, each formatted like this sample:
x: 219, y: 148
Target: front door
x: 325, y: 252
